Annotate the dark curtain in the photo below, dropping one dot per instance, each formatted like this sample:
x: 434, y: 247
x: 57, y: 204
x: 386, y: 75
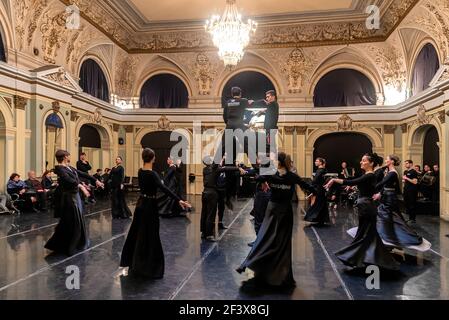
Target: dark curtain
x: 164, y: 91
x: 431, y: 151
x: 89, y: 138
x: 254, y: 85
x: 344, y: 87
x: 93, y: 80
x: 343, y: 146
x: 426, y: 66
x: 2, y: 49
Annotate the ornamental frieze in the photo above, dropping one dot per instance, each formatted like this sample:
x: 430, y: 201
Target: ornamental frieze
x: 287, y: 35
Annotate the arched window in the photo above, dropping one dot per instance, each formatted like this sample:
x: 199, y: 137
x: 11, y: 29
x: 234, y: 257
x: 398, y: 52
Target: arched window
x: 426, y: 66
x: 254, y: 85
x: 93, y: 80
x: 2, y: 47
x: 164, y: 91
x: 344, y: 87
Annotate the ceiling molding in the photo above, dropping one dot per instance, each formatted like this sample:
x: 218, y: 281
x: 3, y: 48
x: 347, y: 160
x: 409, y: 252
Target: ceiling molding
x: 129, y: 29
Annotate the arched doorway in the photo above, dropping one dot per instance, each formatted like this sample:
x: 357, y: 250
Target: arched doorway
x: 342, y: 146
x: 426, y: 66
x: 160, y: 142
x: 90, y: 142
x: 164, y: 91
x: 344, y: 87
x: 431, y: 150
x: 93, y: 80
x: 54, y: 131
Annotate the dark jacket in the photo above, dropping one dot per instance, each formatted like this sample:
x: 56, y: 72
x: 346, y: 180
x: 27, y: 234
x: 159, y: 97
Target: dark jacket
x: 234, y: 113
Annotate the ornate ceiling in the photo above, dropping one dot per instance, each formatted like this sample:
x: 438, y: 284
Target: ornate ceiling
x: 142, y: 26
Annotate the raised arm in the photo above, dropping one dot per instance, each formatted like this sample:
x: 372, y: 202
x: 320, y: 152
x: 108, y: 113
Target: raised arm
x: 302, y: 184
x: 86, y: 176
x: 157, y: 180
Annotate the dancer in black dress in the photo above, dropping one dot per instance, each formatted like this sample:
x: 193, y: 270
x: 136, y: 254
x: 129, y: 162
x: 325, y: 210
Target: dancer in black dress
x: 367, y: 247
x: 70, y: 234
x: 391, y: 225
x: 271, y: 255
x: 116, y: 177
x: 168, y: 207
x: 318, y: 212
x: 143, y: 252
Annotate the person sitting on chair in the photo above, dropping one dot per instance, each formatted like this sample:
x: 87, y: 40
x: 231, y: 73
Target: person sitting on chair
x: 35, y: 185
x: 18, y: 188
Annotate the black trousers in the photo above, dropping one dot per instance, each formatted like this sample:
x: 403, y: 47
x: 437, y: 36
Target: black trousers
x: 221, y: 204
x: 209, y: 200
x: 410, y: 203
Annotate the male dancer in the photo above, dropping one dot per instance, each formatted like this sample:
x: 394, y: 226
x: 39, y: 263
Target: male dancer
x: 271, y: 117
x: 410, y: 180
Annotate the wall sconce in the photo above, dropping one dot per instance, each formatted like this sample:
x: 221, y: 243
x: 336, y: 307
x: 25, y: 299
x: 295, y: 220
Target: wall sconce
x: 192, y: 177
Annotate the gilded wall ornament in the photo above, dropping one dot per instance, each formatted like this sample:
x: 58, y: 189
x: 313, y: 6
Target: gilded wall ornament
x: 423, y: 118
x: 296, y: 68
x: 54, y: 34
x: 345, y: 123
x: 163, y: 123
x: 20, y: 102
x: 204, y: 73
x: 97, y: 117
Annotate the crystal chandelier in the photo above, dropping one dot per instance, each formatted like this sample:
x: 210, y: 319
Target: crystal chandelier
x: 230, y: 34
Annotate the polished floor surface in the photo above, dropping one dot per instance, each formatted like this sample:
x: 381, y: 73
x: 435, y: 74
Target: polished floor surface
x: 202, y: 270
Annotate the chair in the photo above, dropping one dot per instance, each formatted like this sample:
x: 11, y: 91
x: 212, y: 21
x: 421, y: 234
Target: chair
x: 135, y: 184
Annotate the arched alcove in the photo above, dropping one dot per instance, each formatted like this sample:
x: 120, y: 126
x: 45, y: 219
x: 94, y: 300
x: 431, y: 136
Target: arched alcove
x: 431, y: 151
x: 425, y: 67
x: 93, y: 80
x: 90, y: 142
x: 342, y: 146
x: 164, y: 91
x: 254, y: 85
x: 344, y: 87
x: 160, y: 142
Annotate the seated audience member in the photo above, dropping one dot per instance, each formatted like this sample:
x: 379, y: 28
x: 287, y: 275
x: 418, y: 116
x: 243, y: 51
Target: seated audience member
x: 99, y: 175
x: 35, y: 185
x: 47, y: 181
x: 436, y: 185
x: 18, y: 187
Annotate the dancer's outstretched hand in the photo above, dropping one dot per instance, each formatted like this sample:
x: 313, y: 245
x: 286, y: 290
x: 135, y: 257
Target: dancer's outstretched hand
x: 185, y: 204
x: 99, y: 184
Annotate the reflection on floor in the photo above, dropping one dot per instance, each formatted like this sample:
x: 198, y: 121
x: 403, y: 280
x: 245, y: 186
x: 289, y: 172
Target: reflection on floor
x: 199, y: 270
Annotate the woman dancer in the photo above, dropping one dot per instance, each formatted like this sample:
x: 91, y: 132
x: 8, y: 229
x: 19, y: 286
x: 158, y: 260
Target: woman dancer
x: 116, y: 178
x: 169, y: 207
x: 318, y: 212
x: 367, y: 247
x: 391, y: 225
x: 70, y: 233
x: 142, y: 251
x: 271, y: 255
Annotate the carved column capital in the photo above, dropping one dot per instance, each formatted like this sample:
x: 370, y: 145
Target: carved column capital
x: 129, y: 129
x: 442, y: 116
x: 20, y: 102
x: 389, y: 129
x: 115, y: 127
x: 404, y: 128
x: 74, y: 116
x: 301, y: 130
x: 289, y: 130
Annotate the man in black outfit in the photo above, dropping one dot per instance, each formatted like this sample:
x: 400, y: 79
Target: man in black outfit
x: 271, y: 117
x: 410, y: 180
x: 83, y: 165
x: 233, y: 116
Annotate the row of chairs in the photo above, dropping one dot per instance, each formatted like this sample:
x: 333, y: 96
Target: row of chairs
x: 131, y: 184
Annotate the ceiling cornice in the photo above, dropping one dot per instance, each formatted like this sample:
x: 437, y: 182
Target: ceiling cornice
x: 131, y: 31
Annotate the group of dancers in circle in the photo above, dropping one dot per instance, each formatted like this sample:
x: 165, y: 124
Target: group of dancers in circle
x: 381, y: 226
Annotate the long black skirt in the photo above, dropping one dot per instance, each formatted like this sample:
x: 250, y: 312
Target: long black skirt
x: 119, y: 208
x: 391, y: 225
x: 319, y: 211
x: 367, y: 247
x: 142, y: 251
x: 70, y: 234
x: 271, y: 255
